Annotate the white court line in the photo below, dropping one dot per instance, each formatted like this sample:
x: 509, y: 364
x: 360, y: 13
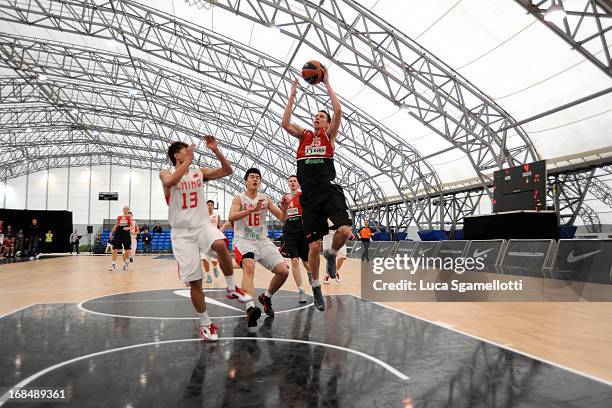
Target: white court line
x: 80, y: 306
x: 38, y: 374
x: 16, y: 310
x: 503, y: 346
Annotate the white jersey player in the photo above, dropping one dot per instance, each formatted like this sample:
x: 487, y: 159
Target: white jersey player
x: 251, y: 242
x: 134, y: 231
x: 215, y: 220
x: 340, y: 256
x: 192, y: 232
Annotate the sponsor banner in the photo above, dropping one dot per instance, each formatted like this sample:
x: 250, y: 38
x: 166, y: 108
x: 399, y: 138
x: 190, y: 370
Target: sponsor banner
x: 357, y: 250
x: 583, y: 260
x: 349, y: 247
x: 452, y: 249
x: 404, y: 279
x: 406, y: 247
x: 489, y: 250
x: 526, y: 254
x: 427, y: 249
x: 385, y: 249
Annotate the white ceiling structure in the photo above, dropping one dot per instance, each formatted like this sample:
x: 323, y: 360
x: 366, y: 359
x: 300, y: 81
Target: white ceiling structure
x: 515, y: 61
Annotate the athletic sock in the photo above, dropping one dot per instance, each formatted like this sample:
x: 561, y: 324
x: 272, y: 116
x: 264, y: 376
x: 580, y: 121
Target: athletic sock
x: 231, y: 284
x: 315, y: 283
x: 267, y: 294
x: 249, y: 304
x: 332, y: 251
x: 204, y: 319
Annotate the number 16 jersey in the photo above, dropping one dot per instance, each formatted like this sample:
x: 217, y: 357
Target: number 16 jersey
x: 187, y: 203
x: 252, y: 227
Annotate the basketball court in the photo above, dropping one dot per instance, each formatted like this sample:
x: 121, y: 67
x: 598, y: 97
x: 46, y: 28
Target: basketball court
x: 469, y: 144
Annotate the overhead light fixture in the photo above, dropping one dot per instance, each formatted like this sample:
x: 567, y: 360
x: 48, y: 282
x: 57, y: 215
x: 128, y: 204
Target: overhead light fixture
x: 132, y: 92
x: 95, y: 132
x: 555, y: 14
x: 74, y: 111
x: 42, y: 77
x: 28, y: 130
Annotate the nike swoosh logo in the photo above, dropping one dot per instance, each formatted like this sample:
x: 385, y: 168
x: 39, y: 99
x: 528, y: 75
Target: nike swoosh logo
x: 209, y: 300
x: 422, y: 251
x: 479, y: 254
x: 571, y: 258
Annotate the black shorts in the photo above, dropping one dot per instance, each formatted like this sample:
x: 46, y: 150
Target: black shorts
x: 327, y: 201
x: 122, y: 240
x: 295, y: 245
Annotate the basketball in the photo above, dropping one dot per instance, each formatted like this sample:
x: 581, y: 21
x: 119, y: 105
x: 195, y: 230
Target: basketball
x: 313, y: 72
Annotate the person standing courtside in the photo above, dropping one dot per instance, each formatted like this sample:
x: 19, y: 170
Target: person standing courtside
x: 365, y: 235
x: 74, y: 241
x: 34, y: 235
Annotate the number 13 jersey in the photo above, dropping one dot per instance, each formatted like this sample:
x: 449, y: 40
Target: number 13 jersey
x: 187, y: 203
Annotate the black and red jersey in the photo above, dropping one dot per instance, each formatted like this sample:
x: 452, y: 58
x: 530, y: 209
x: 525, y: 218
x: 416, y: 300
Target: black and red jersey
x: 293, y: 223
x: 315, y: 160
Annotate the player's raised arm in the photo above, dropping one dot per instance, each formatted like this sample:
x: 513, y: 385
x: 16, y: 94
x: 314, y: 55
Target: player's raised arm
x: 219, y: 172
x: 235, y: 213
x: 334, y: 125
x: 291, y: 128
x: 280, y: 213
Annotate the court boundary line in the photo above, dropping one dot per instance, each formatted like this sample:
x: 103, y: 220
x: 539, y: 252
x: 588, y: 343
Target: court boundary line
x: 17, y: 310
x: 36, y: 375
x: 451, y: 327
x: 80, y: 306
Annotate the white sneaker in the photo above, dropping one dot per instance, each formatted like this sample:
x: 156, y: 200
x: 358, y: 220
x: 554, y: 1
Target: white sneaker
x: 239, y: 295
x: 126, y: 266
x: 112, y: 267
x: 209, y: 333
x: 31, y: 258
x: 37, y: 256
x: 338, y: 280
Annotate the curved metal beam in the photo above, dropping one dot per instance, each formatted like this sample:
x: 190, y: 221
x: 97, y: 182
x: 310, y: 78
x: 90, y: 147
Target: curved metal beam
x: 399, y: 69
x: 231, y: 63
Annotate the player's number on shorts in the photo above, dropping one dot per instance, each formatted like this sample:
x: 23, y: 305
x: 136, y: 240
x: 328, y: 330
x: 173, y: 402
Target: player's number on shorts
x: 193, y: 200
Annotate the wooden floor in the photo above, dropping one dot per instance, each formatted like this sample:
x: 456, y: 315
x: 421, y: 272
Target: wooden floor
x: 577, y: 336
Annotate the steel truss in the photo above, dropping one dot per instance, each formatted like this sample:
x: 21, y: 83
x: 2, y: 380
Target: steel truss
x: 228, y: 63
x: 399, y: 69
x: 568, y: 189
x: 587, y: 27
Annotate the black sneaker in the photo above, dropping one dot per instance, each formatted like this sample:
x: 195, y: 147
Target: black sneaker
x: 319, y: 301
x: 266, y: 302
x: 253, y: 314
x: 331, y: 264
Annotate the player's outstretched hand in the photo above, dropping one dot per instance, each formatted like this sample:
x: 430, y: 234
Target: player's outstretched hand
x: 259, y: 205
x: 294, y: 87
x: 211, y: 142
x: 285, y: 202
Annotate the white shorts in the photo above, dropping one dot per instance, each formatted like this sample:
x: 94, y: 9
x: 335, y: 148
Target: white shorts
x: 264, y: 251
x: 327, y: 243
x: 188, y: 244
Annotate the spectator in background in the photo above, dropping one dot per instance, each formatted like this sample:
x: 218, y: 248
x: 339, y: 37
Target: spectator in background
x: 19, y: 242
x: 74, y: 241
x: 365, y: 234
x: 157, y: 229
x: 48, y: 241
x: 34, y: 235
x: 146, y: 242
x: 8, y: 247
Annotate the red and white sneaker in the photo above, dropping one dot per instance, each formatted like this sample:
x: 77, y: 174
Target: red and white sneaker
x: 338, y: 280
x: 239, y: 295
x: 209, y: 333
x: 326, y: 279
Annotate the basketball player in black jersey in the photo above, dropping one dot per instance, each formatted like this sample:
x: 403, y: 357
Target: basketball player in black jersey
x: 321, y: 199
